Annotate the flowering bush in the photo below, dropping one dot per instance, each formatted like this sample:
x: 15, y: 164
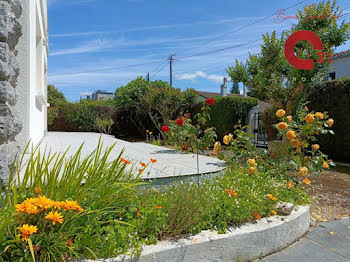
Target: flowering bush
x: 187, y: 136
x: 240, y: 143
x: 301, y: 135
x: 42, y: 229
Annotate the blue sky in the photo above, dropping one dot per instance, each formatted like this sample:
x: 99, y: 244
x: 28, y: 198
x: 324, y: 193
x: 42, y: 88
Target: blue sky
x: 94, y: 35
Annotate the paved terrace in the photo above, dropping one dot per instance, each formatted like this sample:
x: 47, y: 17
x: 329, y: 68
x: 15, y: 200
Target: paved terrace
x: 170, y: 163
x: 328, y: 242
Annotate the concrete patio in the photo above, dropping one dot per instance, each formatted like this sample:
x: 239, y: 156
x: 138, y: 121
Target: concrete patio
x: 329, y: 241
x: 170, y: 164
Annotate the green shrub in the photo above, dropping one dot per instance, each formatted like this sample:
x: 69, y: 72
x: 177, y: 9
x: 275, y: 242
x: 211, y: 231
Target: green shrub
x: 104, y: 125
x: 52, y: 114
x: 228, y: 111
x: 333, y: 97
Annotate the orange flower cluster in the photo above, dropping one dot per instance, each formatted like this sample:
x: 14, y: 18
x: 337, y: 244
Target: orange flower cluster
x: 158, y: 207
x: 272, y: 197
x: 34, y: 206
x: 231, y: 193
x: 125, y: 161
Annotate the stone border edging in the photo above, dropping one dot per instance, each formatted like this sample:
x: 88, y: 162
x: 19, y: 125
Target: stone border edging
x: 248, y: 242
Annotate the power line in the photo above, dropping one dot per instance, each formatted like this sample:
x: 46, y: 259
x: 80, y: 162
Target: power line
x: 160, y: 70
x: 243, y: 27
x: 218, y: 50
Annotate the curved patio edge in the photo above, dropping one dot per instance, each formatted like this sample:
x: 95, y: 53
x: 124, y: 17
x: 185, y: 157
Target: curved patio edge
x: 248, y: 242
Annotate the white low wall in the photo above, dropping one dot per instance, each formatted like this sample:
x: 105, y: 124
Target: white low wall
x: 248, y: 242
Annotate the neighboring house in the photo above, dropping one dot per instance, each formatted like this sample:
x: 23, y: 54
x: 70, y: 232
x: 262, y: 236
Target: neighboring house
x: 23, y: 77
x: 102, y: 95
x: 340, y: 66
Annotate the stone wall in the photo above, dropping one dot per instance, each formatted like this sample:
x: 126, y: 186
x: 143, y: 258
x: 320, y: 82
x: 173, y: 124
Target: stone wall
x: 10, y: 123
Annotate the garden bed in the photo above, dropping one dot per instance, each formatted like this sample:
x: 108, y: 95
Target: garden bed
x: 248, y: 242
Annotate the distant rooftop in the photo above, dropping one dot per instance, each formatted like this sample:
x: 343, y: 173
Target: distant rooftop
x: 341, y: 54
x: 262, y: 104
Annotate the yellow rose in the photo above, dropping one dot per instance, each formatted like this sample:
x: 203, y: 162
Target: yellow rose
x: 251, y: 170
x: 303, y: 171
x: 319, y: 115
x: 281, y: 126
x: 280, y: 113
x: 309, y: 118
x: 227, y: 139
x: 291, y: 134
x: 289, y: 118
x: 251, y: 161
x: 325, y: 164
x: 316, y: 147
x: 217, y: 147
x: 295, y: 143
x: 330, y: 122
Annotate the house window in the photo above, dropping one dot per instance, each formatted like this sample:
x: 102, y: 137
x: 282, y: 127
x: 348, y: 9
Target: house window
x: 332, y: 76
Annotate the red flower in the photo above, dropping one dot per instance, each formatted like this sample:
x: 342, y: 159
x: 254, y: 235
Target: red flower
x: 165, y: 129
x: 210, y: 101
x: 180, y: 122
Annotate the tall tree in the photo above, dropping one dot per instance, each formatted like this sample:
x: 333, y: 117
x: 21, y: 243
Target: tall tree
x: 54, y: 96
x: 269, y: 76
x: 235, y: 88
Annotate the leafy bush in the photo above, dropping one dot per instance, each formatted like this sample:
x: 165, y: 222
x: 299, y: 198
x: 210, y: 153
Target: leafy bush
x: 191, y: 137
x: 105, y: 125
x: 301, y: 133
x: 52, y: 114
x: 229, y: 200
x: 54, y: 96
x: 228, y: 111
x: 334, y: 98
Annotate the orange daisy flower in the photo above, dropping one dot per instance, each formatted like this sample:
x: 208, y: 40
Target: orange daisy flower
x: 272, y: 197
x: 231, y: 193
x: 27, y: 230
x: 306, y: 181
x: 257, y: 215
x: 71, y: 205
x: 54, y: 217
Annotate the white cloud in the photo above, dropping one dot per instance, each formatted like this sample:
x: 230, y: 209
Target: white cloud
x: 200, y: 74
x: 87, y: 47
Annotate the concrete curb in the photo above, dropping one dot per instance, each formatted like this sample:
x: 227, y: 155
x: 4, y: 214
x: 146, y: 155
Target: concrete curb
x: 250, y: 241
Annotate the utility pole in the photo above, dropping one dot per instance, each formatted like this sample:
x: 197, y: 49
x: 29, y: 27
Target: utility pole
x: 147, y: 77
x: 171, y: 58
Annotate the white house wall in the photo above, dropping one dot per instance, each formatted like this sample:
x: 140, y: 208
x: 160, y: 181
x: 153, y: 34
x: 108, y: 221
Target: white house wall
x: 32, y: 55
x: 341, y: 67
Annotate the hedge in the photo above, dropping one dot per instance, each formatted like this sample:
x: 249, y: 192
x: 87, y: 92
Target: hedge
x: 228, y: 111
x: 334, y: 97
x: 81, y: 117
